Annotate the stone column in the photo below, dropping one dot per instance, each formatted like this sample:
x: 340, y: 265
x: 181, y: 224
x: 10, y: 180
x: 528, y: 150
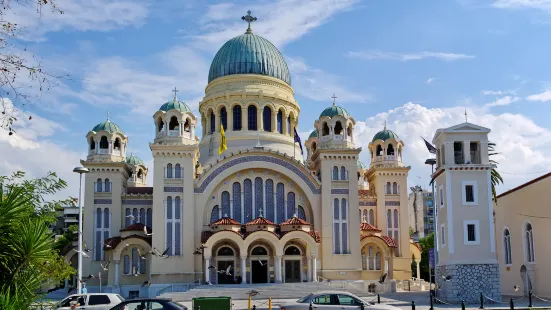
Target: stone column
x: 284, y: 124
x: 260, y: 119
x: 418, y: 264
x: 243, y: 270
x: 244, y: 120
x: 274, y: 121
x: 278, y: 269
x: 391, y: 265
x: 467, y: 151
x: 192, y: 132
x: 97, y: 147
x: 309, y: 277
x: 229, y: 117
x: 207, y: 270
x: 117, y: 273
x: 314, y: 270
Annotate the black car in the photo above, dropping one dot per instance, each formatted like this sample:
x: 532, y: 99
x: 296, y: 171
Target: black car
x: 148, y: 304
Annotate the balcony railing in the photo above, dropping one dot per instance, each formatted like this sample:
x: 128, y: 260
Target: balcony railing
x: 458, y: 157
x: 385, y: 158
x: 338, y: 137
x: 103, y: 151
x: 325, y: 138
x: 173, y: 133
x: 475, y: 157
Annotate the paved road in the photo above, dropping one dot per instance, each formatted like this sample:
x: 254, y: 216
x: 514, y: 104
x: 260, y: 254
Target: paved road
x: 401, y: 300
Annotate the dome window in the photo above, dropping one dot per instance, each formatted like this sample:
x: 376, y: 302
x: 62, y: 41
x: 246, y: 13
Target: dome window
x: 325, y: 130
x: 252, y: 117
x: 224, y: 118
x: 280, y: 121
x: 103, y: 143
x: 338, y: 128
x: 212, y: 122
x: 267, y: 119
x: 237, y: 117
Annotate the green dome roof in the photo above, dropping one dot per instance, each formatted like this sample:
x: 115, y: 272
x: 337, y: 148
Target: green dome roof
x: 134, y: 160
x: 334, y: 110
x: 249, y: 54
x: 385, y: 134
x: 175, y: 105
x: 108, y: 126
x: 361, y: 165
x: 314, y: 134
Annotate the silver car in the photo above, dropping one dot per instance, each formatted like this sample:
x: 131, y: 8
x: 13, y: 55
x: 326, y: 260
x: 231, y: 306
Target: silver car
x: 331, y: 300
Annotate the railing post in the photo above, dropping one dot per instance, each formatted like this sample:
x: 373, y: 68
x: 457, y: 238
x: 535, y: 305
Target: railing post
x: 530, y: 299
x: 362, y: 306
x: 512, y: 304
x: 311, y: 307
x: 254, y: 307
x: 463, y: 305
x: 481, y: 301
x: 413, y: 305
x: 378, y: 298
x: 431, y: 301
x: 249, y: 303
x: 269, y: 303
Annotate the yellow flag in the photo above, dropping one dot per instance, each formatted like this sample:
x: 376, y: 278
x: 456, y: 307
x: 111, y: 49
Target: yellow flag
x: 223, y: 146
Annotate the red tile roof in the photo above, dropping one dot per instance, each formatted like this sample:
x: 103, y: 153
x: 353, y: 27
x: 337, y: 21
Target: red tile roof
x: 260, y: 221
x: 294, y: 221
x: 111, y: 243
x: 390, y: 242
x: 417, y: 245
x: 226, y: 221
x: 368, y: 227
x: 136, y: 227
x: 205, y: 235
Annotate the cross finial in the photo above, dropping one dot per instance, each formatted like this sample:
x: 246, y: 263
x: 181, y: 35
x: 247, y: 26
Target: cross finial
x: 175, y: 91
x: 385, y: 124
x: 249, y: 19
x: 466, y: 121
x: 260, y: 213
x: 107, y: 115
x: 334, y: 97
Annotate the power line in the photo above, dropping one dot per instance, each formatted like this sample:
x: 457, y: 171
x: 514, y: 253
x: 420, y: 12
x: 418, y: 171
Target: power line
x: 525, y: 173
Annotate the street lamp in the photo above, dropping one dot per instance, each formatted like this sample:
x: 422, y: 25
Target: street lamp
x: 80, y: 171
x: 432, y: 162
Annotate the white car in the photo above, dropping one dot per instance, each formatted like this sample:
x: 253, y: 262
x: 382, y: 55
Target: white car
x: 95, y: 301
x: 330, y: 300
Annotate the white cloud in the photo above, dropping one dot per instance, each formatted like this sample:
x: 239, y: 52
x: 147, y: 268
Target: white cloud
x: 318, y: 85
x: 507, y: 100
x: 373, y: 55
x: 543, y: 5
x: 498, y: 92
x: 79, y: 15
x: 430, y: 80
x: 543, y: 97
x: 517, y: 137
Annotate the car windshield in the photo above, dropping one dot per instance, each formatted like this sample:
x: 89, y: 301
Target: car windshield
x: 305, y: 298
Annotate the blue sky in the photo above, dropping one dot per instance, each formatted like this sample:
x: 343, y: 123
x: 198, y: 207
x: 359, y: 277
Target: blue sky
x: 418, y: 66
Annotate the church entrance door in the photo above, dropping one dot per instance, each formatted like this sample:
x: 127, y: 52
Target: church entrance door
x: 259, y: 270
x: 224, y: 278
x: 292, y: 271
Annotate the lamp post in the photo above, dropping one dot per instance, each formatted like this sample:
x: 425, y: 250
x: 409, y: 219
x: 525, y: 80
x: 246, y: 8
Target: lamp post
x: 432, y: 162
x: 80, y: 171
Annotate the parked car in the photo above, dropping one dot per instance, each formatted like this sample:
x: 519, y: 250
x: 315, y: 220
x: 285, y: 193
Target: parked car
x: 95, y: 301
x: 148, y: 304
x: 327, y: 300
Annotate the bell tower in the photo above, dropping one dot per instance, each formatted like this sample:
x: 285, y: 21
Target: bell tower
x: 467, y: 261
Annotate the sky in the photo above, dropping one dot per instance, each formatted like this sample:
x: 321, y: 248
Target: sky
x: 419, y: 66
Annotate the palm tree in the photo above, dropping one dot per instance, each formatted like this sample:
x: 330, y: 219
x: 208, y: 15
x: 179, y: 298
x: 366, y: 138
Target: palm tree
x: 495, y: 176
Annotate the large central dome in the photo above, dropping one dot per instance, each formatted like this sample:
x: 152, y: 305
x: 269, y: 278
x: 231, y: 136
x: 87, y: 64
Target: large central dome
x: 249, y: 54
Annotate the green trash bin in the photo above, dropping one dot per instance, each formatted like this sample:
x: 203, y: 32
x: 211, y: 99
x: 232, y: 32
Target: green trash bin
x: 211, y: 303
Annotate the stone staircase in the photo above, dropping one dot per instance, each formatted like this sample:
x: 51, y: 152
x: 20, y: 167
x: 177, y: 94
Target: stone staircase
x: 273, y: 290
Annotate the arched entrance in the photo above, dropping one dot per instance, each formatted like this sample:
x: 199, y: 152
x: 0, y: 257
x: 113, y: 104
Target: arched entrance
x: 259, y: 258
x: 225, y: 265
x: 292, y: 260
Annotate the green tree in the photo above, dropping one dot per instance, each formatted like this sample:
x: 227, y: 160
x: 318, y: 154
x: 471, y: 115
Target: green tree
x: 426, y: 243
x: 28, y: 260
x: 495, y: 176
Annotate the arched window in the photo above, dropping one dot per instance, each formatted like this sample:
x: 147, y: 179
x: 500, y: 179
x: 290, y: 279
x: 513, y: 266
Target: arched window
x: 267, y: 119
x: 292, y: 250
x: 378, y: 261
x: 507, y: 247
x: 226, y: 251
x: 395, y: 188
x: 237, y: 202
x: 143, y: 263
x: 388, y: 188
x: 169, y: 171
x: 127, y: 220
x: 252, y: 117
x: 212, y: 122
x: 99, y: 186
x: 259, y: 250
x: 396, y: 233
x: 135, y: 260
x: 226, y: 204
x: 289, y: 125
x: 107, y: 186
x: 237, y: 117
x: 214, y: 214
x: 136, y: 215
x: 340, y: 226
x: 325, y: 130
x: 173, y: 125
x: 149, y: 217
x: 103, y: 143
x: 92, y: 143
x: 390, y: 150
x: 364, y: 216
x: 395, y: 218
x: 177, y: 171
x: 259, y: 197
x: 270, y: 203
x: 370, y: 258
x: 248, y: 196
x: 224, y: 118
x: 389, y: 221
x: 371, y: 217
x: 160, y: 124
x: 280, y: 121
x: 126, y: 266
x: 529, y: 242
x: 338, y: 128
x: 335, y: 173
x: 300, y: 213
x: 343, y: 173
x: 142, y: 216
x: 187, y: 125
x: 379, y: 150
x: 290, y: 204
x: 177, y: 225
x: 117, y: 144
x: 140, y: 174
x: 280, y: 202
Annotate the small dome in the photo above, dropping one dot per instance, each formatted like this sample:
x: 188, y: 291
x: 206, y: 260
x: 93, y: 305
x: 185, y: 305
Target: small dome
x: 314, y: 134
x: 361, y: 165
x: 335, y: 110
x: 175, y: 105
x: 134, y: 160
x: 385, y: 134
x: 108, y: 126
x: 249, y: 54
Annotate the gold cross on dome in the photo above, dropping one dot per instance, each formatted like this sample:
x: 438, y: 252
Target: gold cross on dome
x: 249, y: 19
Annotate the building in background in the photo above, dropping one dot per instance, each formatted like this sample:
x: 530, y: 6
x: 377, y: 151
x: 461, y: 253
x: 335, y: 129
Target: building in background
x: 421, y: 211
x: 523, y: 227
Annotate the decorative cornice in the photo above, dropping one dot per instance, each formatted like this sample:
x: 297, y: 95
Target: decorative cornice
x: 103, y: 201
x: 339, y: 191
x: 173, y: 189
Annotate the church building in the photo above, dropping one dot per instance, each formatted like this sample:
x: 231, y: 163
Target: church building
x: 241, y: 203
